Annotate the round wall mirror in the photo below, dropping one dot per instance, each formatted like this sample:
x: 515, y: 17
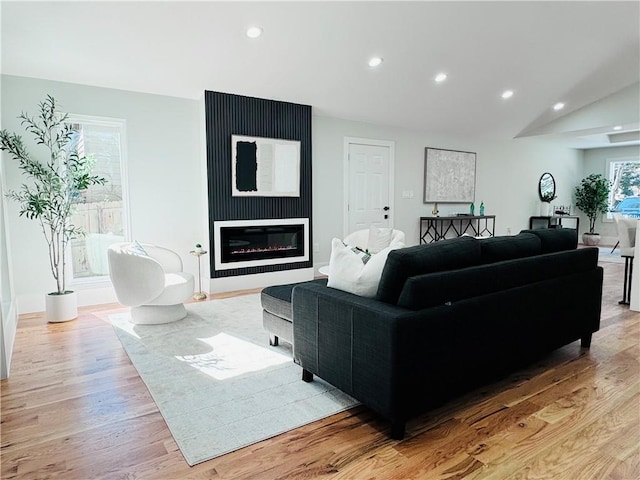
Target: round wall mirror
x: 547, y: 187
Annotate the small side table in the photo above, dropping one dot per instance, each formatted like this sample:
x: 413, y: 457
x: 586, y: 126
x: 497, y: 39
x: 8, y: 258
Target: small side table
x: 199, y: 295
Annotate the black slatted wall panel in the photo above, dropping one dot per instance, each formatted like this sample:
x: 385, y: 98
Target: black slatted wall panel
x: 227, y: 115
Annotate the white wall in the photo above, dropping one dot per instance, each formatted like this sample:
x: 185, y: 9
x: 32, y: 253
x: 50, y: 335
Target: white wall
x: 595, y: 161
x: 164, y: 173
x: 167, y: 176
x: 507, y: 174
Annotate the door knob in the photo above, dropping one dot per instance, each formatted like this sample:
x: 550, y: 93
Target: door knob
x: 386, y: 209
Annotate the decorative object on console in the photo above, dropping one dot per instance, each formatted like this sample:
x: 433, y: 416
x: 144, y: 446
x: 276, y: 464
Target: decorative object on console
x: 591, y: 197
x: 57, y: 183
x: 265, y: 167
x: 562, y: 209
x: 449, y: 176
x: 435, y: 210
x: 481, y: 209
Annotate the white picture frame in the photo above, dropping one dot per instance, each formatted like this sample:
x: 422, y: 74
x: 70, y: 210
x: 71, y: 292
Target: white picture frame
x: 264, y: 167
x: 449, y: 176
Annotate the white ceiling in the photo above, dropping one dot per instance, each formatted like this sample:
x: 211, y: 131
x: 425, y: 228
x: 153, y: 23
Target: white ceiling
x: 316, y: 53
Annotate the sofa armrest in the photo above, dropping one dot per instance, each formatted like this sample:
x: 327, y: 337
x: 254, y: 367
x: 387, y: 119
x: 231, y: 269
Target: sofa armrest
x: 349, y: 341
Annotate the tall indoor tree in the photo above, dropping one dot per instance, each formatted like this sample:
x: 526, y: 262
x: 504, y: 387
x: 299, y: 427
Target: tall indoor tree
x: 55, y: 184
x: 592, y: 197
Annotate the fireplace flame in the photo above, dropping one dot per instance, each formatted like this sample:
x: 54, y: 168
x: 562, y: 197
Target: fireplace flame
x: 275, y: 248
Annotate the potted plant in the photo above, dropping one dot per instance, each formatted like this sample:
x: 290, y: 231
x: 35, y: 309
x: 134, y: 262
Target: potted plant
x: 592, y: 196
x: 57, y: 181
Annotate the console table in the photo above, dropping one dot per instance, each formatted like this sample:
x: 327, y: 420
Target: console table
x: 553, y: 221
x: 433, y: 229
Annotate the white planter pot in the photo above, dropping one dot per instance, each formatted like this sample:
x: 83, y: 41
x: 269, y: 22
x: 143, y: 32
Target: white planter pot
x: 61, y: 308
x: 545, y: 209
x: 591, y: 239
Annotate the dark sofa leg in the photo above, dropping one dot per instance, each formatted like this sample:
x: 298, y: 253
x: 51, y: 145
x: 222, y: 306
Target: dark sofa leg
x: 397, y: 430
x: 585, y: 341
x: 307, y: 376
x: 273, y: 340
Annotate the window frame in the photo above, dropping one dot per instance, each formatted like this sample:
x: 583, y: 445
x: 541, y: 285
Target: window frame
x: 608, y: 217
x: 121, y: 124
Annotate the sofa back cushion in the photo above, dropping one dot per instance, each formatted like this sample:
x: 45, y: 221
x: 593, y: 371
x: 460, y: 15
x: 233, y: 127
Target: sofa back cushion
x: 439, y: 288
x: 439, y: 256
x: 555, y: 239
x: 497, y: 249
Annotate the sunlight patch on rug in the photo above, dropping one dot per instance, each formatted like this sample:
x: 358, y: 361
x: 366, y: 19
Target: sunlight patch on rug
x: 231, y: 357
x: 217, y: 382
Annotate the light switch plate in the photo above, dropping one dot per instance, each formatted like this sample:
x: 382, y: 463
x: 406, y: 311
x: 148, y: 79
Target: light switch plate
x: 407, y: 194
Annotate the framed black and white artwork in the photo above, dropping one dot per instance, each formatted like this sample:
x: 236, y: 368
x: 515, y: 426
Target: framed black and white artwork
x: 264, y: 167
x: 449, y: 176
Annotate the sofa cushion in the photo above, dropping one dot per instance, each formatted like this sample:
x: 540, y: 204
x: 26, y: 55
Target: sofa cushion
x: 440, y: 288
x: 276, y: 299
x: 555, y: 239
x: 402, y: 264
x: 354, y: 271
x: 497, y: 249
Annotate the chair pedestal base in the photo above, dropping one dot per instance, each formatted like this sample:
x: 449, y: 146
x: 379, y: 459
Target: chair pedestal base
x: 157, y: 314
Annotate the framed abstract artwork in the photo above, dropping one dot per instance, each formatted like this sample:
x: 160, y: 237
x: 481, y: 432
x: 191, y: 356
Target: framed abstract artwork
x: 449, y: 176
x: 264, y: 167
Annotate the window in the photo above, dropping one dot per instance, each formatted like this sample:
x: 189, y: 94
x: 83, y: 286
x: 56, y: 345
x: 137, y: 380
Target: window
x: 624, y: 198
x: 102, y: 210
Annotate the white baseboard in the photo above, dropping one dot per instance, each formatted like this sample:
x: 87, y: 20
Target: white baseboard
x: 8, y: 328
x: 258, y: 280
x: 34, y: 302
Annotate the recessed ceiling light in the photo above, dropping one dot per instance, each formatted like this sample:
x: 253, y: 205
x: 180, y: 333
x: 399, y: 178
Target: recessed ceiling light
x: 507, y: 94
x: 441, y: 77
x: 254, y: 32
x: 558, y: 106
x: 618, y: 127
x: 375, y: 61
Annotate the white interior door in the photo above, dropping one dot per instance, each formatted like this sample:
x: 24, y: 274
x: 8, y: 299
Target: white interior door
x: 369, y: 186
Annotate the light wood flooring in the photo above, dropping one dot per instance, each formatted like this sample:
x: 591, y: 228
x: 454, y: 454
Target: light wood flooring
x: 75, y: 408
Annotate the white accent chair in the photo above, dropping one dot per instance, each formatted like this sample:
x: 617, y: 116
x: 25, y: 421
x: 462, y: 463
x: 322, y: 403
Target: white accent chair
x: 150, y: 280
x: 362, y: 239
x: 626, y: 227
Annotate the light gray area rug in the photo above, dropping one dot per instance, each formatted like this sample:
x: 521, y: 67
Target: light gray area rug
x: 217, y: 382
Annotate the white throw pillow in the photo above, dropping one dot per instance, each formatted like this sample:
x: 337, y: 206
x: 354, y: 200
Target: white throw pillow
x: 379, y: 238
x: 354, y: 271
x: 135, y: 247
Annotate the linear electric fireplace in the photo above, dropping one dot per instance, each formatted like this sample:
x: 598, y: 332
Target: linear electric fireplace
x: 250, y: 243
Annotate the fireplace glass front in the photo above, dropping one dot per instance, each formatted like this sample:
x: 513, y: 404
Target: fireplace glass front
x: 255, y: 243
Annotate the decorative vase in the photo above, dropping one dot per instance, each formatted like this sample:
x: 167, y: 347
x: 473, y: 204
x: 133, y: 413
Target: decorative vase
x: 591, y: 239
x: 545, y: 209
x: 61, y: 308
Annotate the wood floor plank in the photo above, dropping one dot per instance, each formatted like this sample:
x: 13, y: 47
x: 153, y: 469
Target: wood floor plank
x: 75, y: 408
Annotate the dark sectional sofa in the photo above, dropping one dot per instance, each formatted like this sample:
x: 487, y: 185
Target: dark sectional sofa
x: 449, y: 316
